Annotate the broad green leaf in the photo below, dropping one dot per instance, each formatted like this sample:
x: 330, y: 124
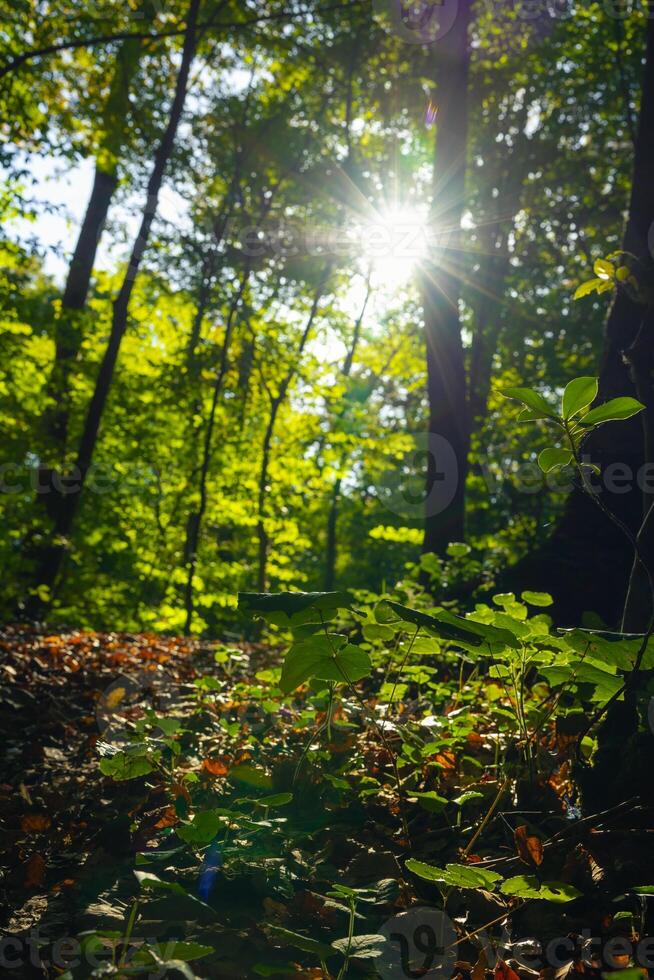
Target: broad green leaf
x: 603, y: 269
x: 182, y: 951
x: 457, y: 549
x: 528, y: 886
x: 296, y: 939
x: 455, y: 628
x: 470, y: 794
x: 532, y: 399
x: 614, y: 410
x: 528, y: 415
x: 364, y: 947
x: 455, y: 875
x: 126, y: 765
x: 431, y: 801
x: 329, y: 658
x: 277, y: 799
x: 377, y: 631
x: 148, y: 880
x: 286, y: 608
x: 251, y: 776
x: 630, y: 973
x: 578, y: 395
x: 551, y: 458
x: 202, y: 828
x: 604, y: 682
x: 591, y: 286
x: 537, y: 598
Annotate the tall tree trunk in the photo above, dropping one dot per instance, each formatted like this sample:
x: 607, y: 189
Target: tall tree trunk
x: 500, y: 204
x: 69, y: 327
x: 585, y: 538
x: 67, y: 502
x: 440, y: 286
x: 276, y: 401
x: 195, y: 518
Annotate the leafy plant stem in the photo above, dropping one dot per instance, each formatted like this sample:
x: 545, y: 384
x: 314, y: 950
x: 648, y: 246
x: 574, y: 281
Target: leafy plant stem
x: 401, y: 668
x: 380, y: 733
x: 128, y: 932
x: 491, y: 810
x: 638, y: 555
x: 350, y: 935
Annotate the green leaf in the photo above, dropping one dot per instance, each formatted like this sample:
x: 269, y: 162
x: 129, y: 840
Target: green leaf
x: 604, y: 683
x: 286, y: 608
x: 528, y: 415
x: 296, y: 939
x: 614, y: 410
x: 603, y: 269
x: 528, y: 886
x: 532, y: 399
x: 457, y: 549
x: 251, y: 776
x: 277, y: 799
x: 551, y: 458
x: 630, y: 973
x: 182, y: 951
x: 578, y: 395
x: 455, y: 875
x: 591, y: 286
x: 327, y: 657
x: 202, y: 828
x: 126, y: 765
x: 364, y: 947
x: 455, y: 628
x: 148, y: 880
x: 537, y: 598
x: 431, y: 801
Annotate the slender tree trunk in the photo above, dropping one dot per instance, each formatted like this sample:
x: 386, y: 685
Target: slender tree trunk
x: 67, y: 502
x: 440, y: 287
x: 330, y: 546
x: 275, y: 404
x: 69, y: 332
x: 487, y: 299
x: 194, y: 523
x: 585, y: 538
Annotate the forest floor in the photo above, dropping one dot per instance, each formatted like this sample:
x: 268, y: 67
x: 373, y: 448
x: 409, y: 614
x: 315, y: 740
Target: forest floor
x: 296, y: 867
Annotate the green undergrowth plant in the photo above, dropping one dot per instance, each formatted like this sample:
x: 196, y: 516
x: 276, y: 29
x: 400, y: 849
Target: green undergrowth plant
x: 364, y: 747
x: 574, y: 419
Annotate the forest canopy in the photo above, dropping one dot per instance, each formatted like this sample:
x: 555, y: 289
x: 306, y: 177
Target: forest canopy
x: 253, y: 255
x: 327, y: 489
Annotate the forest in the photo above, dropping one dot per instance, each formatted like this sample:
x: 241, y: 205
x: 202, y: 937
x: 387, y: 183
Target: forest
x: 327, y: 489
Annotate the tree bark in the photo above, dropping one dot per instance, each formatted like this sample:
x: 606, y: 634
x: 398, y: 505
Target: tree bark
x: 194, y: 523
x: 276, y: 402
x: 69, y: 327
x: 440, y: 286
x: 585, y: 538
x: 67, y: 503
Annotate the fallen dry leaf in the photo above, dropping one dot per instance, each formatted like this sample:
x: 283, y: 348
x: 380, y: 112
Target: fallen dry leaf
x: 35, y: 871
x: 215, y: 767
x: 529, y: 847
x: 35, y: 823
